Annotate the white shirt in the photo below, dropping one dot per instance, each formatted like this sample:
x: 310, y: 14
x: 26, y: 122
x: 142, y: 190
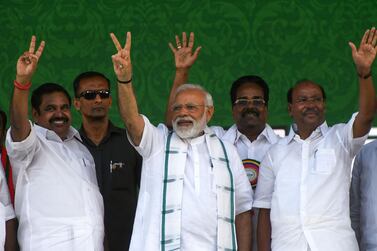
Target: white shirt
x: 199, y: 216
x: 57, y: 200
x: 251, y: 153
x: 306, y: 185
x: 6, y: 207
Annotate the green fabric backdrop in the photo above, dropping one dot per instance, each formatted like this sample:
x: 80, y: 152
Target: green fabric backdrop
x: 282, y: 41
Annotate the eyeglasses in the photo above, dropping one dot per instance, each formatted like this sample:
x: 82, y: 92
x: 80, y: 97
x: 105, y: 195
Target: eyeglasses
x: 92, y: 94
x: 306, y: 100
x: 243, y: 102
x: 189, y: 107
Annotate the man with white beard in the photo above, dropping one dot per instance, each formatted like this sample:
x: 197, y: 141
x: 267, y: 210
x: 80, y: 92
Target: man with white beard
x: 194, y: 191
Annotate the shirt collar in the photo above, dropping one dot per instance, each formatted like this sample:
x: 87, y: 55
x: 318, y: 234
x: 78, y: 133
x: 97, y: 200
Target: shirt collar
x: 322, y: 129
x: 110, y: 130
x: 234, y: 135
x: 51, y: 135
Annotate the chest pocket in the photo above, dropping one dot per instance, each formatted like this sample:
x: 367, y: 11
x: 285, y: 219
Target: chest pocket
x: 325, y: 161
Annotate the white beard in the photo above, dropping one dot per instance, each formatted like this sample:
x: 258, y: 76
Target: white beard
x: 188, y: 132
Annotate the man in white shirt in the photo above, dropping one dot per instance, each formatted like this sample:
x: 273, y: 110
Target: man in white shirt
x: 194, y: 192
x: 249, y: 96
x: 303, y: 186
x: 57, y: 200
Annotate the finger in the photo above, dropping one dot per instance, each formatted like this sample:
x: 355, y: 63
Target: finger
x: 33, y: 58
x: 179, y: 45
x: 184, y: 39
x: 127, y: 46
x: 365, y: 37
x: 196, y: 53
x: 371, y: 35
x: 374, y: 37
x: 191, y: 40
x: 353, y: 47
x: 32, y: 44
x: 40, y: 49
x: 172, y: 48
x: 115, y: 41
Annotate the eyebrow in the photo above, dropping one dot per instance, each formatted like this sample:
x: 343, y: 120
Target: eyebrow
x: 253, y: 97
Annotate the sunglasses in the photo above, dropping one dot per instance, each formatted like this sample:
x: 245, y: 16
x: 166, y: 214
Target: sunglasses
x: 92, y: 94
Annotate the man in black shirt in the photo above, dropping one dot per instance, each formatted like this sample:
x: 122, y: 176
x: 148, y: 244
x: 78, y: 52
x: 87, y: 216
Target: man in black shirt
x: 118, y: 165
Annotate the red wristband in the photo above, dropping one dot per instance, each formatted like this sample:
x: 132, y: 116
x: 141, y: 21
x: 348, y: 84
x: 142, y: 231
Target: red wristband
x: 21, y: 86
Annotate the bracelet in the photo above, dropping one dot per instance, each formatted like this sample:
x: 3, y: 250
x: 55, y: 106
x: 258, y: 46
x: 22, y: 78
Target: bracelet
x: 21, y: 86
x: 366, y: 76
x: 124, y: 82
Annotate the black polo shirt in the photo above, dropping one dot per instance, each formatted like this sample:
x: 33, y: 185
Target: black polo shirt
x: 118, y: 168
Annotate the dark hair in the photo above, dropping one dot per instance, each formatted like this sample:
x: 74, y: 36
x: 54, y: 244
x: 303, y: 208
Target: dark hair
x: 46, y: 88
x: 85, y: 75
x: 250, y: 79
x: 302, y: 81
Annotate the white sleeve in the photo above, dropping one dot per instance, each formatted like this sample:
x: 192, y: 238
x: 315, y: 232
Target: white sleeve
x: 353, y: 145
x: 266, y: 183
x: 5, y: 197
x: 152, y: 139
x: 243, y: 190
x: 21, y: 153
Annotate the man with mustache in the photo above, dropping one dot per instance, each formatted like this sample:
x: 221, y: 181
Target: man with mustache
x: 194, y: 192
x: 57, y: 201
x: 304, y: 179
x: 118, y: 165
x: 249, y: 96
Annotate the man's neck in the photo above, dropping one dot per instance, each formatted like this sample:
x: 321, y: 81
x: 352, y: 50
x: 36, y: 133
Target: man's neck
x: 95, y: 130
x: 252, y: 133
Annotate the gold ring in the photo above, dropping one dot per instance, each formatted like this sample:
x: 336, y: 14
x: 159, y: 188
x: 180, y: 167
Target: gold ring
x: 120, y: 66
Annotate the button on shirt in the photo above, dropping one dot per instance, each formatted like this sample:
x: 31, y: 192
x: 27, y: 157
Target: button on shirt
x: 364, y: 198
x: 57, y: 202
x: 199, y: 212
x: 306, y: 185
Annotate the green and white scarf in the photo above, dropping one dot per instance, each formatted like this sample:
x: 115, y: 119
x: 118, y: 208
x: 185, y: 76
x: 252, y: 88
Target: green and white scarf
x: 175, y: 161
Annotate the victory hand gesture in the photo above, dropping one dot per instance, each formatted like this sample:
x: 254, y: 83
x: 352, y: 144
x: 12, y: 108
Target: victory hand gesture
x: 122, y: 60
x: 183, y: 55
x: 366, y: 53
x: 27, y: 63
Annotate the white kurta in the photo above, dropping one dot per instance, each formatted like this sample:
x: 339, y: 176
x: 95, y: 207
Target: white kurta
x: 199, y: 221
x: 251, y: 154
x: 6, y: 207
x: 306, y: 185
x: 57, y: 199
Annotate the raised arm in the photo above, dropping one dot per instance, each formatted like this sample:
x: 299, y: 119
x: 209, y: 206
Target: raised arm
x: 126, y: 97
x: 184, y: 58
x: 26, y: 66
x: 363, y: 58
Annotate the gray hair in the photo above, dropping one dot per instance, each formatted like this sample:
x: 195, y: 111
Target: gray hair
x: 208, y: 96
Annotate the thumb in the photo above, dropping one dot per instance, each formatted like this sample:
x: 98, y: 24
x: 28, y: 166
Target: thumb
x: 353, y: 48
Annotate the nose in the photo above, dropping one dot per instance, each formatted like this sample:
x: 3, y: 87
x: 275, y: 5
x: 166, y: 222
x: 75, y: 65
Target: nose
x: 98, y: 98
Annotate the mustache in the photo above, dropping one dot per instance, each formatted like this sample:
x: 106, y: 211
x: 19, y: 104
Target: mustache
x: 250, y: 111
x: 52, y: 120
x: 310, y: 110
x: 178, y: 119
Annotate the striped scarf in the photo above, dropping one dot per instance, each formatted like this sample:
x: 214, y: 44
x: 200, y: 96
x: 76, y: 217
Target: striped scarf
x: 175, y: 159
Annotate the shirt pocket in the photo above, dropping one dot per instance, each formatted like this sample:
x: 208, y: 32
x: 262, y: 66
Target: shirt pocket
x: 325, y: 161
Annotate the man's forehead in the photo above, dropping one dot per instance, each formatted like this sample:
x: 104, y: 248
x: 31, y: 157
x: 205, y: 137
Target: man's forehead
x: 307, y: 89
x: 54, y: 98
x: 93, y: 81
x: 190, y: 94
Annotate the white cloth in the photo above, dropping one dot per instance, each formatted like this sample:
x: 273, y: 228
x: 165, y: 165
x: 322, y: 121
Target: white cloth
x: 199, y: 223
x: 306, y: 185
x: 6, y: 207
x: 57, y: 201
x: 251, y: 154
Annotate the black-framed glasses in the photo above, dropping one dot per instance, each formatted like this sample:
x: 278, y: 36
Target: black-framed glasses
x: 92, y: 94
x: 243, y: 102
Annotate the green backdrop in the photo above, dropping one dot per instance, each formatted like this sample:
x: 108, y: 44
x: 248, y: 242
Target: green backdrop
x: 282, y: 41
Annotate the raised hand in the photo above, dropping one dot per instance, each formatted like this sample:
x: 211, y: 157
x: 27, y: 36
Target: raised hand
x: 366, y: 53
x: 122, y: 59
x: 27, y: 63
x: 183, y: 55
